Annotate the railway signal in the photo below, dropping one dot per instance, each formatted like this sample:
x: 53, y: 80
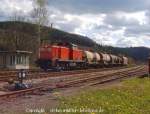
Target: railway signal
x: 22, y: 75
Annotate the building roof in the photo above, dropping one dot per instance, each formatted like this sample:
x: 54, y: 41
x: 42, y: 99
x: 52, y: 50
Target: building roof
x: 17, y: 51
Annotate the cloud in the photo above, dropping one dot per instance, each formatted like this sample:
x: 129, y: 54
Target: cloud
x: 9, y: 7
x: 111, y: 22
x: 126, y: 18
x: 138, y: 31
x: 123, y: 29
x: 136, y: 23
x: 76, y: 23
x: 96, y: 6
x: 129, y: 42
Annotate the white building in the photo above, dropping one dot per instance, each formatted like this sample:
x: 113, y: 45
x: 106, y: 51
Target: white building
x: 14, y: 59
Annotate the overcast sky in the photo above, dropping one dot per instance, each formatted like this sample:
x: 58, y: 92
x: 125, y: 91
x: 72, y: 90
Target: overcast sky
x: 122, y: 23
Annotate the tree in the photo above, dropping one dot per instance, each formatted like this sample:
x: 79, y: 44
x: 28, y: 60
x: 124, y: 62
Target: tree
x: 16, y: 17
x: 40, y: 16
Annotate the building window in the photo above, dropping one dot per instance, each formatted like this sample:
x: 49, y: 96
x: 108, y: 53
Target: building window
x: 12, y: 60
x: 24, y: 60
x: 19, y: 59
x: 27, y: 59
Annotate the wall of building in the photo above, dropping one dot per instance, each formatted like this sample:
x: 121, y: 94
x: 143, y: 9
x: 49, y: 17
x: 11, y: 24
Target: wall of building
x: 14, y: 61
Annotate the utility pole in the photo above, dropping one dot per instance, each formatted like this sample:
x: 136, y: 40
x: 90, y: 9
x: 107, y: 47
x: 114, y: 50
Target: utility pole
x: 51, y: 25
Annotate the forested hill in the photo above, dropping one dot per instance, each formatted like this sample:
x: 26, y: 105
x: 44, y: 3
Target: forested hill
x: 23, y: 36
x: 139, y: 54
x: 53, y: 35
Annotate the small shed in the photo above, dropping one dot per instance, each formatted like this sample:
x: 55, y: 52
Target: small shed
x: 14, y: 59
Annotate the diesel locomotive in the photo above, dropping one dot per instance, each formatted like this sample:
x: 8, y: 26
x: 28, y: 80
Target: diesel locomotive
x: 66, y: 56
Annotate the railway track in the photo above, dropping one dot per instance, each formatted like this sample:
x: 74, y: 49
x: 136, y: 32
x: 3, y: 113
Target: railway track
x: 7, y: 72
x: 105, y: 77
x: 5, y: 76
x: 88, y: 80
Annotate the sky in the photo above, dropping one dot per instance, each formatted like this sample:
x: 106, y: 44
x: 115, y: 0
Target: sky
x: 121, y: 23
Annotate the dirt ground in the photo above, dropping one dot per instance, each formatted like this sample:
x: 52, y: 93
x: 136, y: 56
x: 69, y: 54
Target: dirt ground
x: 46, y: 100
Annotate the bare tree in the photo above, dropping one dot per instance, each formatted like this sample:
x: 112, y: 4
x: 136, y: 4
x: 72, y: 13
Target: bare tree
x: 40, y: 16
x: 15, y: 18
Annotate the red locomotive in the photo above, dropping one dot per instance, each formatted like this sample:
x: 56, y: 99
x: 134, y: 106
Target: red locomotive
x: 66, y: 56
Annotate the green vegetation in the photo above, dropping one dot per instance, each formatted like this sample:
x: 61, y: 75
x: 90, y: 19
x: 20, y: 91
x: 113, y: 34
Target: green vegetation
x: 132, y: 97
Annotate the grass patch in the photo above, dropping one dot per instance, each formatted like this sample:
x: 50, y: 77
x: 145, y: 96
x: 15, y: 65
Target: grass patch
x: 132, y: 97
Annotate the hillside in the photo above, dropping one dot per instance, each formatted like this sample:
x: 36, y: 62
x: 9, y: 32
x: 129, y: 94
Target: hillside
x: 23, y: 36
x: 50, y: 34
x: 139, y: 54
